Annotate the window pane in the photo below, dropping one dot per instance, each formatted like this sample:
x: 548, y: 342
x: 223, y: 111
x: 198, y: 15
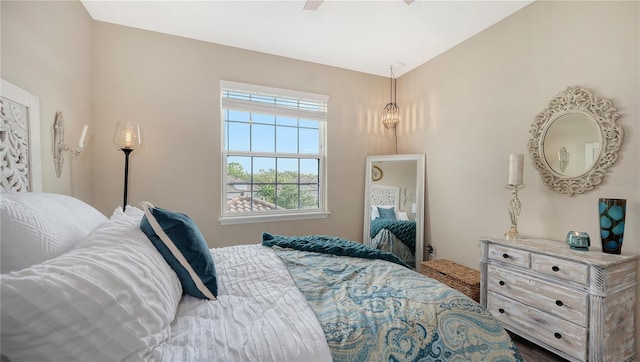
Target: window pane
x: 286, y: 139
x: 237, y: 136
x: 238, y: 116
x: 263, y: 138
x: 310, y: 168
x: 238, y: 169
x: 238, y: 200
x: 309, y: 141
x: 287, y: 197
x: 287, y: 121
x: 262, y: 118
x: 264, y: 170
x: 287, y: 170
x: 264, y: 186
x: 309, y: 197
x: 309, y: 124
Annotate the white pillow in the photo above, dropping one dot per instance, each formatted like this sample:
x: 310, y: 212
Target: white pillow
x: 401, y: 215
x: 110, y: 298
x: 41, y: 226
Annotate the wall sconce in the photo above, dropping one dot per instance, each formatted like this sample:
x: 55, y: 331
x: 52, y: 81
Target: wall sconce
x: 59, y: 147
x: 127, y: 138
x: 563, y: 157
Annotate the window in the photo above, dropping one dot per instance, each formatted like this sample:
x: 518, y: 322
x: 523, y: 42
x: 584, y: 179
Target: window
x: 273, y: 154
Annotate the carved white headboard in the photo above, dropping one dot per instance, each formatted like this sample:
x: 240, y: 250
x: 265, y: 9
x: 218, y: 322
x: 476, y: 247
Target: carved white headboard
x: 20, y: 164
x: 385, y: 195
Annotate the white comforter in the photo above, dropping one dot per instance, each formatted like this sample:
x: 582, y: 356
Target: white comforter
x: 260, y: 315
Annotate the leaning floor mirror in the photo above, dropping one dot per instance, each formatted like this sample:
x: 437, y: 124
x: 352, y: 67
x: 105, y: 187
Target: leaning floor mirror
x: 394, y: 206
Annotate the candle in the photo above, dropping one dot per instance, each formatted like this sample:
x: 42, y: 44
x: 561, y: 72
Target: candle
x: 82, y: 136
x: 516, y: 166
x: 128, y: 138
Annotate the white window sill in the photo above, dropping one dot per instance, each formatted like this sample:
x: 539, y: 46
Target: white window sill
x: 250, y: 219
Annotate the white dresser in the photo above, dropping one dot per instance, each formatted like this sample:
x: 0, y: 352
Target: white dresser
x: 578, y: 304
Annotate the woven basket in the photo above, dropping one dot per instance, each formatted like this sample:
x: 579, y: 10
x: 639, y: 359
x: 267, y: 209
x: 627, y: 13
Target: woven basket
x: 456, y: 276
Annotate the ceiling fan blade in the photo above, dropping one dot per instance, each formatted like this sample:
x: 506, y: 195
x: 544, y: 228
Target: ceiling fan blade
x: 408, y: 2
x: 313, y: 5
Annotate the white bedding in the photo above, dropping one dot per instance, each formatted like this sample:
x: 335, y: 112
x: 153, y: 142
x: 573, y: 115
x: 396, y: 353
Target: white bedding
x: 260, y: 315
x: 113, y: 297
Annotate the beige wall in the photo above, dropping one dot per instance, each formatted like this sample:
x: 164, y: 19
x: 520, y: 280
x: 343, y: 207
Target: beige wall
x: 171, y: 86
x: 468, y: 109
x: 474, y: 106
x: 46, y: 50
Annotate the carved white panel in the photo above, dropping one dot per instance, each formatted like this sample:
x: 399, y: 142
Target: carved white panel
x: 385, y: 195
x: 20, y: 164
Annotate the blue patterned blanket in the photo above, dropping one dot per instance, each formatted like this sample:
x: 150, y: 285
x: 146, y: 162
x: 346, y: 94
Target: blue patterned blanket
x: 330, y: 245
x: 371, y: 310
x: 405, y: 230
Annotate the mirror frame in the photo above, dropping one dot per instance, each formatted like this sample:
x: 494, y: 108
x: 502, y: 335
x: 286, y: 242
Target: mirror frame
x: 602, y: 113
x: 420, y: 184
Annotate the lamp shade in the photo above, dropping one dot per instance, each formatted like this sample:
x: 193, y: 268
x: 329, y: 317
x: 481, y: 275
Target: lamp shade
x: 391, y: 112
x: 391, y: 115
x: 127, y: 136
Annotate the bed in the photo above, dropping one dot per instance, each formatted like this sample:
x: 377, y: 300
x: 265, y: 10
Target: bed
x: 390, y: 229
x: 78, y: 286
x: 143, y: 285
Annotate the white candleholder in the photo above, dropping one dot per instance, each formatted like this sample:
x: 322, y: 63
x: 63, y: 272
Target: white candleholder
x: 514, y: 211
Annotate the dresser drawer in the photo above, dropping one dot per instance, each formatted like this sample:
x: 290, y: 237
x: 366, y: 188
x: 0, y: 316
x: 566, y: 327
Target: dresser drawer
x: 503, y: 254
x: 567, y: 303
x: 559, y: 268
x: 553, y: 331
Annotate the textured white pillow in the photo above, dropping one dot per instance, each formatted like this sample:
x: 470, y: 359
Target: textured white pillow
x: 401, y: 215
x: 110, y: 298
x: 41, y: 226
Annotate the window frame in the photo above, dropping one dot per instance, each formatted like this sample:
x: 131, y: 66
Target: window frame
x: 320, y: 116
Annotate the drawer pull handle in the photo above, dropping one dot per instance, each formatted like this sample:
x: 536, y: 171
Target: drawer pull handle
x: 555, y: 268
x: 557, y: 335
x: 501, y: 282
x: 505, y: 255
x: 559, y: 303
x: 501, y: 310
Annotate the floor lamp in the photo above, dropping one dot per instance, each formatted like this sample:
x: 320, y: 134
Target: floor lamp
x: 127, y: 138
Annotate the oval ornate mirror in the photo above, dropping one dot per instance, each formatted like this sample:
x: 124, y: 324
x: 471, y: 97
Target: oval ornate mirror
x: 574, y: 140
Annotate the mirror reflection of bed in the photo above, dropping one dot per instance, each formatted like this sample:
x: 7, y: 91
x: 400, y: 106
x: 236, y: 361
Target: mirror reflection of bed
x: 394, y: 206
x: 391, y: 230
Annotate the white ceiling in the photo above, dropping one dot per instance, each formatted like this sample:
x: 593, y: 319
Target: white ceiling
x: 362, y: 35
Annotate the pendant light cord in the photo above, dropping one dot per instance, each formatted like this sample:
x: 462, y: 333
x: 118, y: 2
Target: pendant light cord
x: 392, y: 86
x: 395, y: 135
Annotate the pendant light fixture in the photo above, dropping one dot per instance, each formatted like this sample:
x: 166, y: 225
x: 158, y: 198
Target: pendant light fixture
x: 391, y: 112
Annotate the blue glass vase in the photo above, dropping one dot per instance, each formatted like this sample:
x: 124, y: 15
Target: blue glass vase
x: 612, y: 213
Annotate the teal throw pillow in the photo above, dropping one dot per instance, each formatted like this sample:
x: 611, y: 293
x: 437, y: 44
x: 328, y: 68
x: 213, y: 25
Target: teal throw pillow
x: 180, y: 242
x: 385, y: 213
